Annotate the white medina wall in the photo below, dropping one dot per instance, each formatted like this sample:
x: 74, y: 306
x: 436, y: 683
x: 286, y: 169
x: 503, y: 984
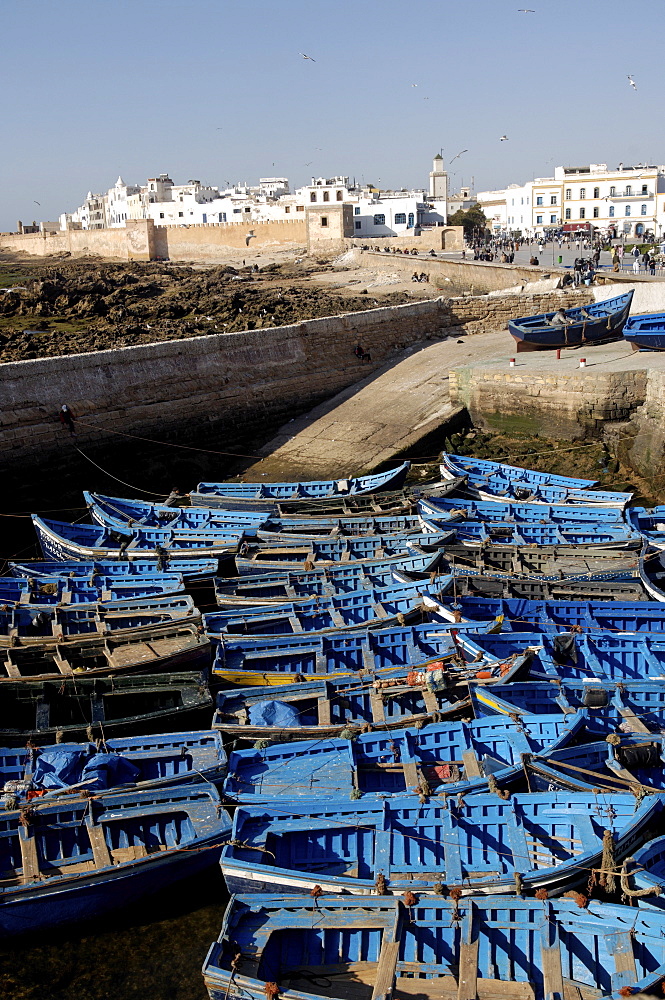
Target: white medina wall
x: 392, y: 210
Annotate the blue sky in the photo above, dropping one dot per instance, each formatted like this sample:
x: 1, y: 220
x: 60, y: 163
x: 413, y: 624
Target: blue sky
x: 217, y: 90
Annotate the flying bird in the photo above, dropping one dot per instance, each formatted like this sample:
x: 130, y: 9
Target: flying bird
x: 306, y: 57
x: 503, y: 138
x: 38, y: 203
x: 632, y: 82
x: 310, y: 163
x: 414, y: 84
x: 458, y: 155
x: 525, y: 10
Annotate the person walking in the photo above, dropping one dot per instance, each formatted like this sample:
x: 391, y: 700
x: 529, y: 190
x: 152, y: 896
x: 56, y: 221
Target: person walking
x: 636, y: 265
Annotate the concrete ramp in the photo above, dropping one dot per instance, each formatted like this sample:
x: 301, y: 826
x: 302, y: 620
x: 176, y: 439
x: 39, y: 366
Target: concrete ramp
x: 378, y: 418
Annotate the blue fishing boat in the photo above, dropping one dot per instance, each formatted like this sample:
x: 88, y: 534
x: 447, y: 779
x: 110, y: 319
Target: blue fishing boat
x: 319, y: 708
x: 606, y: 535
x: 188, y: 569
x: 290, y: 584
x: 115, y: 511
x: 64, y: 541
x: 518, y: 512
x: 140, y: 761
x: 574, y: 656
x: 588, y: 561
x: 643, y: 875
x: 497, y: 481
x: 433, y: 948
x: 501, y: 586
x: 49, y: 591
x: 276, y: 659
x: 82, y: 708
x: 75, y: 858
x: 481, y: 845
x: 646, y: 333
x: 313, y: 490
x: 582, y: 326
x: 445, y: 757
x: 363, y: 603
x: 173, y: 645
x: 523, y: 615
x: 650, y: 523
x: 402, y: 605
x: 304, y: 553
x: 621, y: 762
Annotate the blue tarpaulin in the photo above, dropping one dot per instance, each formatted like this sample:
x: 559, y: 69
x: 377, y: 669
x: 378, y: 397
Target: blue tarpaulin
x: 273, y: 713
x: 105, y: 770
x: 58, y: 768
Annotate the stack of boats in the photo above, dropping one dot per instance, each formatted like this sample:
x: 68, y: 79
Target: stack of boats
x: 421, y: 730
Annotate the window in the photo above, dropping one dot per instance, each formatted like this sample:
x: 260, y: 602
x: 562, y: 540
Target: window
x: 324, y: 221
x: 180, y: 215
x: 643, y: 210
x: 312, y: 195
x: 248, y: 210
x: 287, y: 209
x: 552, y: 218
x: 627, y: 212
x: 569, y: 194
x: 400, y: 219
x: 539, y: 199
x: 645, y: 190
x: 521, y: 201
x: 356, y: 210
x: 552, y: 199
x: 539, y: 220
x: 596, y: 192
x: 583, y: 213
x: 359, y: 225
x: 379, y: 220
x: 236, y: 211
x: 611, y: 212
x: 582, y: 194
x: 639, y: 229
x: 613, y: 191
x: 596, y: 212
x: 567, y: 213
x: 339, y: 195
x: 326, y: 195
x: 161, y: 215
x: 410, y: 220
x: 222, y: 216
x: 205, y: 217
x: 629, y: 190
x: 300, y: 208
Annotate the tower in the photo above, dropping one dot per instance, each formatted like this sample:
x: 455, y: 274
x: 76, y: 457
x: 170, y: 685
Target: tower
x: 438, y: 179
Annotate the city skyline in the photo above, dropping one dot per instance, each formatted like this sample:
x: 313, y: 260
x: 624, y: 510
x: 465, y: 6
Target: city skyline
x: 221, y: 91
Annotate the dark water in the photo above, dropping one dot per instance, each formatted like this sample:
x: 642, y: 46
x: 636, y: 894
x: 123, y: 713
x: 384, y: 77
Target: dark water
x: 152, y: 952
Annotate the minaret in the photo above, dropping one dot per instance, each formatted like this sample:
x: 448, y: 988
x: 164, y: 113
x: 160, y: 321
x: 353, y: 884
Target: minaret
x: 438, y: 179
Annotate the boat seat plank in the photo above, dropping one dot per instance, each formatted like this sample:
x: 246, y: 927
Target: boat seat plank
x: 100, y: 851
x: 572, y: 990
x: 29, y: 858
x: 337, y: 619
x: 445, y: 988
x: 385, y: 971
x: 323, y: 705
x: 472, y: 766
x: 620, y: 947
x: 431, y: 700
x: 632, y: 720
x: 378, y: 707
x: 467, y: 984
x: 411, y: 775
x: 295, y: 624
x: 550, y: 955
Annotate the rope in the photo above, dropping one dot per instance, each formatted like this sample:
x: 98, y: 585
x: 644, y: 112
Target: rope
x: 148, y: 492
x: 166, y: 444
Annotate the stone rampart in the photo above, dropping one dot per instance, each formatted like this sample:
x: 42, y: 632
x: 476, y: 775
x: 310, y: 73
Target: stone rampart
x: 220, y: 392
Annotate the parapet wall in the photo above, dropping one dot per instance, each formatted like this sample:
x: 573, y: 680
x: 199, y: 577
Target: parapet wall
x: 216, y: 392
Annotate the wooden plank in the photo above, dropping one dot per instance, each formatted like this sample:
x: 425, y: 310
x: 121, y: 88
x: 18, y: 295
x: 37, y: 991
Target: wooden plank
x: 518, y: 845
x: 336, y: 618
x: 472, y: 766
x: 451, y: 851
x: 431, y: 700
x: 294, y: 622
x: 620, y: 946
x: 29, y: 858
x: 378, y: 708
x: 411, y: 775
x: 379, y: 611
x: 550, y: 956
x: 467, y: 980
x: 632, y: 721
x: 385, y: 972
x: 323, y: 705
x: 100, y: 851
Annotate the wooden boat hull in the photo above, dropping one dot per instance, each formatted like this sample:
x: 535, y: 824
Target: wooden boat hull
x: 314, y: 490
x: 85, y: 708
x: 606, y: 323
x: 111, y: 878
x: 423, y: 846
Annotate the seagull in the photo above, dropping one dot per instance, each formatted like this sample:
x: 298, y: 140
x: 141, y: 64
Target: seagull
x: 306, y: 57
x: 525, y: 10
x: 632, y: 82
x: 503, y: 138
x: 310, y: 163
x: 414, y: 84
x: 38, y: 203
x: 457, y: 155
